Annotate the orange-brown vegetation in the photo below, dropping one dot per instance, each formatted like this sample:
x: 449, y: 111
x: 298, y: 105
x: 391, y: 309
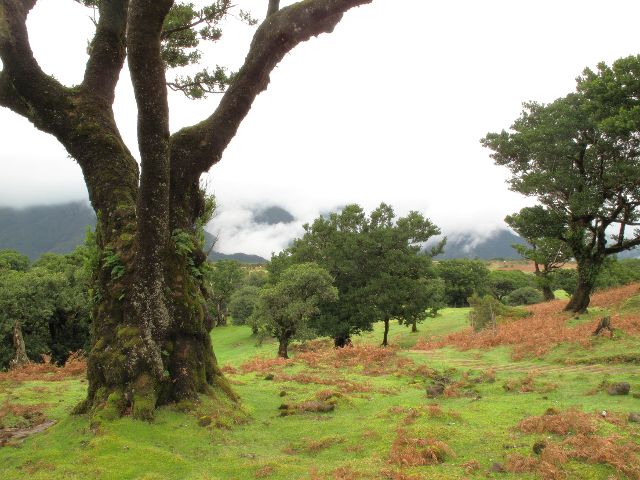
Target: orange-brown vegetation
x: 262, y: 364
x: 75, y: 366
x: 561, y: 423
x: 471, y: 466
x: 545, y: 328
x: 397, y: 475
x: 313, y: 446
x: 411, y: 452
x: 26, y: 415
x: 580, y: 443
x: 264, y: 472
x: 528, y: 384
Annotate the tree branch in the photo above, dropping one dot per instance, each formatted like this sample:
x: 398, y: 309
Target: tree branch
x: 34, y: 93
x: 621, y: 247
x: 195, y: 149
x: 149, y: 84
x: 11, y: 99
x: 107, y: 50
x: 274, y: 6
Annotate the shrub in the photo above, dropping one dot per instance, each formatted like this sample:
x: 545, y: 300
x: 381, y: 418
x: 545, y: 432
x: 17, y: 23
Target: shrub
x: 524, y: 296
x: 485, y: 311
x: 503, y: 282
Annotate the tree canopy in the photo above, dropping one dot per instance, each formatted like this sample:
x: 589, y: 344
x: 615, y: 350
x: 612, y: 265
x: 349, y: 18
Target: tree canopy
x: 285, y: 308
x: 378, y: 265
x: 579, y: 157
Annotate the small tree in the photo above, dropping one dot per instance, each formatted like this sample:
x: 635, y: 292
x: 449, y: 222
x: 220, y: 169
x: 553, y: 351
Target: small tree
x: 463, y: 278
x: 547, y: 253
x: 428, y: 292
x: 285, y: 308
x: 579, y: 157
x: 223, y: 278
x: 242, y: 303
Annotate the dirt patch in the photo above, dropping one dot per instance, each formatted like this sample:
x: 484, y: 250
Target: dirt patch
x: 13, y: 436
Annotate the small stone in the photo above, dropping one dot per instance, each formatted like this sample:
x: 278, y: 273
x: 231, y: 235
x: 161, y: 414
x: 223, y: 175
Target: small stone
x: 539, y: 446
x: 497, y: 468
x: 204, y: 421
x: 283, y: 393
x: 634, y: 417
x: 435, y: 390
x: 269, y: 376
x: 619, y: 388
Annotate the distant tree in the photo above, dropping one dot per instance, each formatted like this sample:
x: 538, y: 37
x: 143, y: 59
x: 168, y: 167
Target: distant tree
x: 286, y: 307
x: 255, y: 277
x: 503, y: 282
x: 242, y: 303
x: 547, y: 253
x: 13, y: 260
x: 151, y: 332
x: 377, y: 264
x: 462, y: 278
x: 427, y: 291
x: 223, y: 278
x: 46, y: 308
x: 579, y: 157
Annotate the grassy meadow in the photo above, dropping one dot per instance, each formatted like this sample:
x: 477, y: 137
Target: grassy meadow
x: 441, y: 403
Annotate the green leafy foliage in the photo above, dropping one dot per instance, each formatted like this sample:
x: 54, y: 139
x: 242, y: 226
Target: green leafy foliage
x: 377, y: 263
x: 222, y: 279
x: 524, y: 296
x: 185, y: 27
x: 286, y: 307
x: 13, y: 260
x: 503, y: 282
x: 579, y: 157
x: 50, y: 301
x: 242, y: 303
x: 463, y: 278
x: 487, y: 311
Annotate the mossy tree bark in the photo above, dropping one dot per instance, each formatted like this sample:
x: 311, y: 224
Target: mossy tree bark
x: 283, y: 347
x: 151, y: 342
x: 20, y: 357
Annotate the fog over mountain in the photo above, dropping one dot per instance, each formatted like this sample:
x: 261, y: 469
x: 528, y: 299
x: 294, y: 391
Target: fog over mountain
x: 249, y: 234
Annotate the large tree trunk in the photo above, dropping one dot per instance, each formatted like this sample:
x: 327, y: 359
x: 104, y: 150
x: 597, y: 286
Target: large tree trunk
x: 137, y: 365
x: 342, y: 340
x: 548, y: 293
x: 150, y: 329
x: 282, y: 347
x: 588, y: 270
x: 21, y: 357
x: 385, y: 341
x: 414, y: 326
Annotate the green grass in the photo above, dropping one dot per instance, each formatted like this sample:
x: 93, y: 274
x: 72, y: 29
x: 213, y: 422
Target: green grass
x: 358, y: 434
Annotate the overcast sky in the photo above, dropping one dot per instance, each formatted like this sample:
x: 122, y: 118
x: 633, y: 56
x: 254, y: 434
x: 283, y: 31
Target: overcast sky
x: 389, y: 107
